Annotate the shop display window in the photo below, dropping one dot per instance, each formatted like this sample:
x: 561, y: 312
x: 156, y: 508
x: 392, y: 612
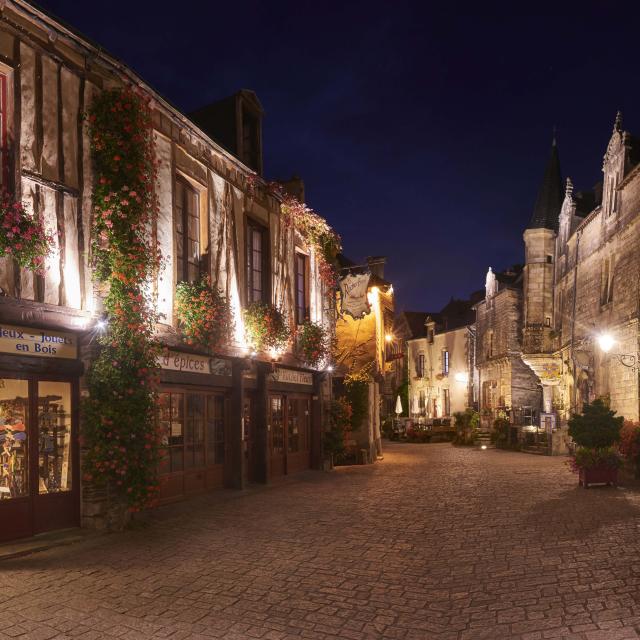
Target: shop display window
x: 14, y: 403
x: 54, y: 437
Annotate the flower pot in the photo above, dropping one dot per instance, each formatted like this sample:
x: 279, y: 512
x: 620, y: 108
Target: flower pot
x: 603, y: 474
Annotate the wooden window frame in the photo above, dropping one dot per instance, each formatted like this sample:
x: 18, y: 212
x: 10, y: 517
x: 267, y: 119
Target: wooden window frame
x: 302, y: 311
x: 252, y: 226
x: 4, y: 139
x: 187, y: 187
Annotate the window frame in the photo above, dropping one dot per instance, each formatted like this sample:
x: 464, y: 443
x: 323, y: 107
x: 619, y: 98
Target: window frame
x: 182, y: 263
x: 252, y: 226
x: 302, y: 313
x: 445, y: 362
x: 5, y: 114
x: 421, y: 365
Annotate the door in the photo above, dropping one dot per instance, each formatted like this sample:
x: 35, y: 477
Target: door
x: 38, y: 456
x: 289, y: 434
x: 278, y: 466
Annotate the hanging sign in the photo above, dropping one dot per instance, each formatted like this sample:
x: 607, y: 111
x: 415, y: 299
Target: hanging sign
x: 353, y: 295
x: 26, y: 341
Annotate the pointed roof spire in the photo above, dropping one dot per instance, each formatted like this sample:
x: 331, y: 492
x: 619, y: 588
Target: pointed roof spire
x: 549, y: 200
x: 568, y: 190
x: 617, y: 125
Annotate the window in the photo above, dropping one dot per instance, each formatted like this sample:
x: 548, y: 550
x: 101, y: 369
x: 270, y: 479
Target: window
x: 421, y: 400
x: 187, y: 219
x: 445, y: 363
x: 4, y: 158
x: 549, y: 259
x: 257, y: 271
x: 430, y: 335
x: 421, y: 365
x: 612, y: 196
x: 446, y: 406
x: 302, y: 297
x: 606, y: 290
x: 490, y: 346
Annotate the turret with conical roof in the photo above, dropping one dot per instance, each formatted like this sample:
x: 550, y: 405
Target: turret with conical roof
x: 549, y: 200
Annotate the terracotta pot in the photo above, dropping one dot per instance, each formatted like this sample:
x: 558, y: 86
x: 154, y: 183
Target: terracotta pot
x: 598, y: 475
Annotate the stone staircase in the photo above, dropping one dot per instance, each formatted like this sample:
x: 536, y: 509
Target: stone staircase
x: 483, y: 438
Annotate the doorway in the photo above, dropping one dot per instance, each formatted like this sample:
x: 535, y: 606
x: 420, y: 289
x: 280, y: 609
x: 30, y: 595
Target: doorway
x: 38, y: 455
x: 289, y: 434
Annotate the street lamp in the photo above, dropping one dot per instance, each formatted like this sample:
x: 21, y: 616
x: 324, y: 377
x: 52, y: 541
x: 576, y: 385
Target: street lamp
x: 462, y: 376
x: 606, y: 342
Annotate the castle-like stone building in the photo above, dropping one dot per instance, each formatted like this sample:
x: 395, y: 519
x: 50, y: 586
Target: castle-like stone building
x: 563, y: 329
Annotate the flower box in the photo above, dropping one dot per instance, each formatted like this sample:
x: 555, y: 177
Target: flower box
x: 603, y: 474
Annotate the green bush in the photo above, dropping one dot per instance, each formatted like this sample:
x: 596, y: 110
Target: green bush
x: 596, y: 427
x: 500, y: 433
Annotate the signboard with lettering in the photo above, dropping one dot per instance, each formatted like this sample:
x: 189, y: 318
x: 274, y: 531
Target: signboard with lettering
x: 193, y: 363
x: 26, y: 341
x: 292, y: 376
x: 353, y: 295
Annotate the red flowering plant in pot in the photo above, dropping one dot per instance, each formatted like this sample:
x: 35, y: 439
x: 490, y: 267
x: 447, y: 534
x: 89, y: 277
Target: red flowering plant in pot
x: 23, y: 236
x: 596, y: 431
x: 313, y: 344
x: 266, y: 327
x: 204, y: 314
x: 630, y: 444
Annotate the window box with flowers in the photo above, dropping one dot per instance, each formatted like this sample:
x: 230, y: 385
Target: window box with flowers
x: 266, y: 327
x: 313, y: 344
x: 22, y: 236
x: 204, y: 314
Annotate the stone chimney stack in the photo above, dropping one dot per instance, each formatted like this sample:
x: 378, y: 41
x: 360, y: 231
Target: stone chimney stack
x: 376, y: 265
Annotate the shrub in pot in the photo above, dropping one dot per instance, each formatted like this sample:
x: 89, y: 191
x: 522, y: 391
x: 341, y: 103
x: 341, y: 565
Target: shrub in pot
x: 596, y: 430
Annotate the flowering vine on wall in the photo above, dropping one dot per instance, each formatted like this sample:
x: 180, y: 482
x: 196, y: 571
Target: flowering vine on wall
x: 204, y: 314
x: 122, y: 443
x: 23, y: 236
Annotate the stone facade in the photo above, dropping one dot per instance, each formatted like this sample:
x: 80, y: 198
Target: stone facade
x: 580, y: 282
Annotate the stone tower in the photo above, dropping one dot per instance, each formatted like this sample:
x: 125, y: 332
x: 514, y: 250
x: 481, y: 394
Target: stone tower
x: 539, y: 239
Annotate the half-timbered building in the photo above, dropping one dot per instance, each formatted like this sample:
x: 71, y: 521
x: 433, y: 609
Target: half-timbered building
x: 228, y: 418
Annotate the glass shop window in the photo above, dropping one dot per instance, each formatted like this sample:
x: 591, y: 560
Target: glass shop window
x: 54, y: 437
x: 277, y: 426
x: 215, y: 430
x: 14, y: 450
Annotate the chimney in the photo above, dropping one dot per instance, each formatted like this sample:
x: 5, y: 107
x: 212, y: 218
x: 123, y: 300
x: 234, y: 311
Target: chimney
x: 295, y: 187
x: 376, y: 265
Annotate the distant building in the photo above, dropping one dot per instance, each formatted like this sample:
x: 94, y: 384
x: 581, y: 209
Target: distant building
x: 440, y: 359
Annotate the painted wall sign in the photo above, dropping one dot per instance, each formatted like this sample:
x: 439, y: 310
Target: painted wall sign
x: 353, y: 295
x: 26, y: 341
x: 292, y: 376
x: 193, y: 363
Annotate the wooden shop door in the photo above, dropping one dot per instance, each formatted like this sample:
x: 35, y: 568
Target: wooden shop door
x: 38, y: 455
x: 277, y: 444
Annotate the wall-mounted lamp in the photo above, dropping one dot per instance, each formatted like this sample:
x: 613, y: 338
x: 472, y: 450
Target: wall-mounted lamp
x: 606, y: 342
x: 462, y: 376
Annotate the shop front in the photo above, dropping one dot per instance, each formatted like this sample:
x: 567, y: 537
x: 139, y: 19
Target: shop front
x: 289, y: 422
x: 193, y: 417
x: 39, y: 457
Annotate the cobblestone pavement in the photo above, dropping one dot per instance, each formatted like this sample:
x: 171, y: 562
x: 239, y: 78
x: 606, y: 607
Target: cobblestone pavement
x: 433, y: 542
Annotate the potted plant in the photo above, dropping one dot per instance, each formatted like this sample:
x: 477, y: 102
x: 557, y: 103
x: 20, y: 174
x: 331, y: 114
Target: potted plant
x: 596, y: 431
x: 266, y: 327
x: 630, y: 444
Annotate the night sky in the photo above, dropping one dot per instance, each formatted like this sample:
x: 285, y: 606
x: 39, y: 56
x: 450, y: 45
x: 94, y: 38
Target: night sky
x: 421, y: 134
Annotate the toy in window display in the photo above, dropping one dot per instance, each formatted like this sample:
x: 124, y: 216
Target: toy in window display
x: 11, y: 472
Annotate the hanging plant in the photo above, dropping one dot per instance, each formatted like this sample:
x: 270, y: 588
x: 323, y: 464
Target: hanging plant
x: 266, y: 327
x: 313, y: 344
x: 120, y: 432
x: 23, y: 236
x: 204, y: 313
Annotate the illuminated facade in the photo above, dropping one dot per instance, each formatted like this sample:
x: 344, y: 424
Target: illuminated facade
x: 229, y: 418
x: 564, y: 330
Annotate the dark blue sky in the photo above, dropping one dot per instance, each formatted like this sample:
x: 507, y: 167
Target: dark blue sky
x: 421, y: 134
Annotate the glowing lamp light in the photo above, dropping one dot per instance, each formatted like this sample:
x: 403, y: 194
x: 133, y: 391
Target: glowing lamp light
x: 483, y: 447
x: 462, y: 376
x: 329, y: 368
x: 606, y: 342
x: 101, y: 325
x: 253, y: 354
x: 388, y: 337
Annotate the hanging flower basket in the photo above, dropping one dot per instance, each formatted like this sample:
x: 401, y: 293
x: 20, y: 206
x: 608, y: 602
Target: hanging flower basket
x: 313, y: 344
x: 204, y: 314
x: 22, y: 237
x: 266, y: 327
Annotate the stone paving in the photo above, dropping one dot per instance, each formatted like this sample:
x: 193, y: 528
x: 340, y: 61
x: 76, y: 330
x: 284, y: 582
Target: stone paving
x: 433, y: 542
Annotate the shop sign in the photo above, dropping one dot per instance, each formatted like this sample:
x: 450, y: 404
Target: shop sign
x: 353, y: 295
x: 291, y: 376
x: 26, y: 341
x: 193, y: 363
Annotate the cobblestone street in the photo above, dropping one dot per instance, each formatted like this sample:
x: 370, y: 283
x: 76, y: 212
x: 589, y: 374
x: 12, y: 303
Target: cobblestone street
x: 433, y: 542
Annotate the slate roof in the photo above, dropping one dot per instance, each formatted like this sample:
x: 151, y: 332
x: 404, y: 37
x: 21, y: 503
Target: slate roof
x: 550, y: 195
